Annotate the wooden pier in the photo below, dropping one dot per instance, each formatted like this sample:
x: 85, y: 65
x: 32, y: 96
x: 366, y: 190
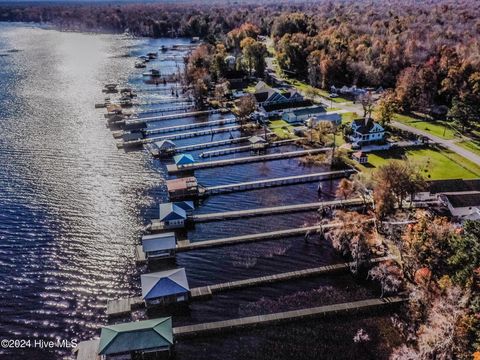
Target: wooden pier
x: 241, y: 239
x: 198, y: 329
x: 121, y: 307
x: 210, y: 290
x: 212, y: 123
x: 194, y: 133
x: 87, y: 350
x: 274, y: 210
x: 176, y: 116
x: 211, y: 144
x: 245, y: 148
x: 287, y: 180
x: 175, y: 169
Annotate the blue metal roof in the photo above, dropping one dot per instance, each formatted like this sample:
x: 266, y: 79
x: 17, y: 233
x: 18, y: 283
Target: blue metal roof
x: 165, y: 287
x: 183, y: 159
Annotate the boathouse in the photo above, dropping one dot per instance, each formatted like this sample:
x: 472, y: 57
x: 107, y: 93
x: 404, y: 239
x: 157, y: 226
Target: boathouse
x: 183, y: 187
x: 136, y: 339
x: 183, y: 159
x: 174, y: 215
x: 257, y: 142
x: 165, y: 287
x: 159, y: 246
x: 165, y: 146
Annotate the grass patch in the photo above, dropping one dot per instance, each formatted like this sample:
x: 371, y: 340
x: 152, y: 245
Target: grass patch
x: 434, y: 164
x: 282, y: 129
x: 442, y: 129
x: 348, y: 117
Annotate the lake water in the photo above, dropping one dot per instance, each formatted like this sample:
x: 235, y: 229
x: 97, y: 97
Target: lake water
x: 72, y: 206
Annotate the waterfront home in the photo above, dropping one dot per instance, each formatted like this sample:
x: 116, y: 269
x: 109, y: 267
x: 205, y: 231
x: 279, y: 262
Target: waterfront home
x: 165, y: 287
x: 159, y: 246
x: 435, y: 188
x: 272, y: 102
x: 174, y: 215
x: 335, y: 119
x: 137, y: 340
x: 360, y: 157
x: 182, y: 188
x: 366, y: 131
x: 183, y: 160
x: 300, y: 115
x: 463, y: 206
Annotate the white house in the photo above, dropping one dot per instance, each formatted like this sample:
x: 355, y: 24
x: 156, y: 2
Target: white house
x: 435, y: 188
x: 302, y: 114
x: 366, y: 131
x: 463, y: 206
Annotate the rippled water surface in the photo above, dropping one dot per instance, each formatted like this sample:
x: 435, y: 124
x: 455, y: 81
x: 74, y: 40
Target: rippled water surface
x: 72, y: 206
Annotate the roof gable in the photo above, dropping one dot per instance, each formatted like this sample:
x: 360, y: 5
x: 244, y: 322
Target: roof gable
x: 150, y: 281
x: 183, y: 159
x: 171, y: 211
x: 135, y: 336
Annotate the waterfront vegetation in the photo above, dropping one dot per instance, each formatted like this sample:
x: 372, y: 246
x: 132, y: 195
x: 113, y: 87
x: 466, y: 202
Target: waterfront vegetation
x: 429, y: 62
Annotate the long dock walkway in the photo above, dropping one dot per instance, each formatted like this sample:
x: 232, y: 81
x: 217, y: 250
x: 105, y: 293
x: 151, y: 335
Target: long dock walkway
x: 271, y: 235
x: 287, y: 180
x: 245, y: 148
x: 212, y: 123
x: 269, y: 279
x: 194, y: 133
x: 193, y: 330
x: 175, y: 169
x: 211, y: 144
x: 120, y: 307
x: 274, y: 210
x: 174, y: 116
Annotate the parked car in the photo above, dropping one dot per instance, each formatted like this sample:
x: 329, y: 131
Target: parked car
x: 332, y: 95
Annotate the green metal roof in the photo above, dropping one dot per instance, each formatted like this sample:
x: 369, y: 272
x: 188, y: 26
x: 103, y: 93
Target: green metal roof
x: 135, y: 336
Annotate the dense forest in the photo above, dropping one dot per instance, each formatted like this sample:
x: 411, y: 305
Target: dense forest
x: 428, y: 51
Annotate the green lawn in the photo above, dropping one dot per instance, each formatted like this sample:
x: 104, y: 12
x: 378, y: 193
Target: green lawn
x: 348, y: 117
x: 282, y: 129
x: 435, y: 164
x: 438, y: 128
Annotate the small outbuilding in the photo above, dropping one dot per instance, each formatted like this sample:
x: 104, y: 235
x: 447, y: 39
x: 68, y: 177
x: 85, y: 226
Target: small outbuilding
x: 134, y: 340
x: 165, y: 287
x: 183, y: 160
x: 360, y: 157
x: 159, y: 246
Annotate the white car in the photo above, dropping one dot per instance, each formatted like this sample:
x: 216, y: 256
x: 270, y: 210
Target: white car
x: 332, y: 95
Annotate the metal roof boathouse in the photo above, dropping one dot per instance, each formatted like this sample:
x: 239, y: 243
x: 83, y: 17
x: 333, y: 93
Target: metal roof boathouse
x: 165, y: 287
